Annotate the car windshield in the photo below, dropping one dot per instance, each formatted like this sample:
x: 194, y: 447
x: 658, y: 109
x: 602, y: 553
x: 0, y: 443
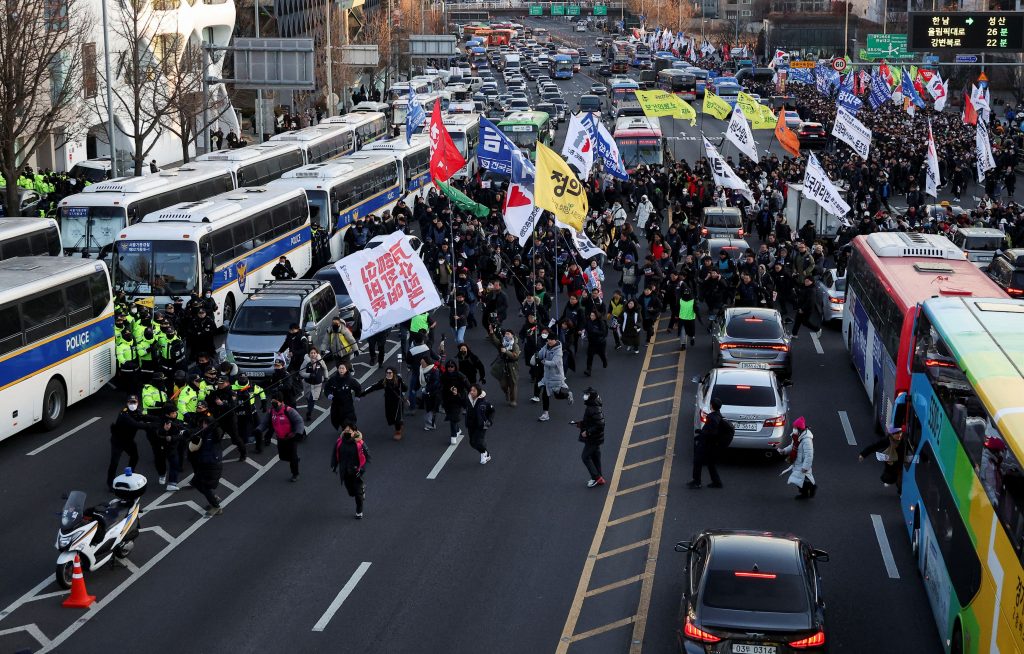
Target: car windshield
x: 722, y: 219
x: 755, y: 591
x: 983, y: 243
x: 744, y: 395
x: 156, y: 267
x: 754, y: 327
x: 262, y: 319
x: 521, y: 135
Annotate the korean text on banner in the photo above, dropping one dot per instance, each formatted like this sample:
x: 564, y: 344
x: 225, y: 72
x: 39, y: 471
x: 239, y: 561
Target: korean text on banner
x: 389, y: 284
x: 852, y: 132
x: 931, y: 169
x: 660, y: 103
x: 983, y: 151
x: 607, y: 150
x: 818, y: 187
x: 559, y: 190
x: 715, y: 106
x: 494, y: 150
x: 739, y: 134
x: 585, y: 246
x: 520, y: 212
x: 578, y: 148
x: 723, y: 173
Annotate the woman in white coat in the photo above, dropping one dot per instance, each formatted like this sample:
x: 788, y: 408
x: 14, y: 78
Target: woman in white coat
x: 800, y: 453
x: 643, y: 212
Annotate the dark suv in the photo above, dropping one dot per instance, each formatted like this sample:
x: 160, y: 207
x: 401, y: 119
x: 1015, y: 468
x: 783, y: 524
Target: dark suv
x: 1007, y: 270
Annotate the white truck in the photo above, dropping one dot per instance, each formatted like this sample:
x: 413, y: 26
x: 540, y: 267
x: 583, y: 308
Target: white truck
x: 800, y: 209
x: 510, y: 62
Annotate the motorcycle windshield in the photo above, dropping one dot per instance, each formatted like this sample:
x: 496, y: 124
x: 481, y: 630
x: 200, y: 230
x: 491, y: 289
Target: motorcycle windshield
x: 73, y: 511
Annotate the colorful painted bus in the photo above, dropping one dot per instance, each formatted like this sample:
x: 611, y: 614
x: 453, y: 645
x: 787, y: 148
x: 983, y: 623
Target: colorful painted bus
x: 889, y: 274
x: 962, y: 491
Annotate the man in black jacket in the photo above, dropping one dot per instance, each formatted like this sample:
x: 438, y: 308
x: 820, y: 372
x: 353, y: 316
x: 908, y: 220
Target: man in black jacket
x: 454, y: 388
x: 122, y: 436
x: 342, y: 389
x: 705, y: 447
x: 283, y: 269
x: 592, y: 435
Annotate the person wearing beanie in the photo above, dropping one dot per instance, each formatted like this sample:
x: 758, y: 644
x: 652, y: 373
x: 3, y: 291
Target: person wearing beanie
x: 800, y: 453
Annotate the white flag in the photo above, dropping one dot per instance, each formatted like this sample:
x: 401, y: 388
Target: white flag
x: 818, y: 187
x: 739, y: 134
x: 724, y: 175
x: 578, y: 149
x: 389, y: 284
x: 979, y: 98
x: 931, y: 170
x: 938, y: 89
x: 520, y: 212
x: 852, y: 132
x: 983, y: 151
x: 585, y: 246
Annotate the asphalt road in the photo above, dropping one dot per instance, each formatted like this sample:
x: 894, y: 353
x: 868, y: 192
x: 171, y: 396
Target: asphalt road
x: 518, y: 555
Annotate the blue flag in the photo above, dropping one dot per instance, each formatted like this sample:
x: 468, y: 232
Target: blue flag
x: 847, y: 99
x: 494, y: 151
x: 800, y: 76
x: 879, y: 94
x: 826, y: 80
x: 907, y: 87
x: 606, y: 148
x: 414, y: 117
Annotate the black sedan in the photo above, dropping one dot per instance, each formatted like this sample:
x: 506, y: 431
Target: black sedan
x: 747, y: 592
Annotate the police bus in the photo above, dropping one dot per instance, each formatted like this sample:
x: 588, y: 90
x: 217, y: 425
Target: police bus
x: 319, y: 142
x: 366, y: 126
x: 56, y: 338
x: 413, y: 158
x: 255, y: 165
x: 90, y: 220
x: 28, y: 237
x: 226, y: 244
x: 465, y: 132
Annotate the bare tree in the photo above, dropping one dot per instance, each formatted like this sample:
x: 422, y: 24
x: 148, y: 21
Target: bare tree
x: 184, y: 98
x: 41, y: 44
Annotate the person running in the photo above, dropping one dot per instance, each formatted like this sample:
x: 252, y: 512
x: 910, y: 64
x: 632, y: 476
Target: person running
x: 313, y: 373
x: 285, y: 424
x: 349, y: 458
x: 800, y: 453
x: 592, y: 436
x: 207, y: 458
x: 479, y: 417
x: 552, y: 382
x: 342, y: 390
x: 454, y: 387
x: 394, y: 399
x: 706, y: 445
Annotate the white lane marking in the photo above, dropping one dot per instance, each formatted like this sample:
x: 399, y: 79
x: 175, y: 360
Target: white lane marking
x: 159, y: 531
x: 31, y: 630
x: 189, y: 503
x: 817, y: 343
x: 346, y: 590
x: 847, y: 428
x: 444, y: 458
x: 63, y: 436
x: 883, y: 544
x: 227, y: 484
x: 149, y: 565
x: 27, y: 597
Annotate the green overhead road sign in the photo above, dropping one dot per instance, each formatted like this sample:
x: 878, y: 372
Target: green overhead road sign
x: 600, y: 10
x: 574, y: 10
x: 536, y: 10
x: 557, y: 10
x: 887, y: 46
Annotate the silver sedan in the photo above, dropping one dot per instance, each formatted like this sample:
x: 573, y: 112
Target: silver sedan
x: 754, y: 401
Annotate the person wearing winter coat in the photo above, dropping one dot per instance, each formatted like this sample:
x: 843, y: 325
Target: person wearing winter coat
x: 650, y: 309
x: 349, y: 458
x: 394, y: 399
x: 552, y: 382
x: 800, y: 453
x: 207, y: 458
x: 889, y: 450
x: 428, y: 378
x: 632, y: 323
x: 470, y: 365
x: 597, y: 340
x: 313, y: 373
x: 479, y: 415
x: 284, y: 423
x: 807, y: 312
x: 592, y: 436
x: 342, y: 390
x: 505, y: 367
x: 454, y: 387
x: 643, y: 212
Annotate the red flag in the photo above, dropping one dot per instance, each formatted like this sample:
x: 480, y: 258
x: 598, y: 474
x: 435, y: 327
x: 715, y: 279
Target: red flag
x: 445, y: 158
x: 970, y: 113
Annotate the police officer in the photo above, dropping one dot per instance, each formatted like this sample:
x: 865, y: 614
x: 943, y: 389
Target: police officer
x: 188, y: 396
x: 127, y: 362
x: 122, y: 436
x: 201, y: 331
x: 247, y: 393
x: 154, y: 393
x: 223, y: 403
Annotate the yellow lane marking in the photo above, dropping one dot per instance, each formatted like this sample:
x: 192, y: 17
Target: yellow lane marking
x: 612, y: 586
x: 633, y: 489
x: 643, y: 463
x: 651, y: 402
x: 656, y: 384
x: 649, y: 441
x: 624, y: 548
x: 663, y: 354
x: 662, y: 368
x: 602, y: 629
x: 631, y: 516
x: 646, y: 421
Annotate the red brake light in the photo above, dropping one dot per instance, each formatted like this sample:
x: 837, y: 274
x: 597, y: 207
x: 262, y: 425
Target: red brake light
x: 743, y: 388
x: 704, y: 231
x: 696, y: 633
x: 740, y: 232
x: 755, y: 575
x: 936, y: 363
x: 753, y: 320
x: 817, y: 640
x: 779, y: 421
x: 1015, y: 291
x: 837, y: 300
x: 703, y: 416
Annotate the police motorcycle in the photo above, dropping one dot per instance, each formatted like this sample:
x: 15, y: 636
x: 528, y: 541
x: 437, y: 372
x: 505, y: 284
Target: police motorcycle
x: 99, y: 533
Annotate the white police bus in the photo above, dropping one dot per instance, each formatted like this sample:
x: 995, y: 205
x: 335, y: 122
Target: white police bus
x: 413, y: 159
x: 90, y: 220
x: 321, y: 142
x: 226, y: 244
x: 56, y: 338
x: 465, y: 132
x: 255, y: 165
x: 28, y: 237
x: 367, y: 126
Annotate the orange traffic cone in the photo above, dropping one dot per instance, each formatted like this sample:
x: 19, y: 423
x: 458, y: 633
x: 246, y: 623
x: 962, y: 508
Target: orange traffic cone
x: 79, y: 597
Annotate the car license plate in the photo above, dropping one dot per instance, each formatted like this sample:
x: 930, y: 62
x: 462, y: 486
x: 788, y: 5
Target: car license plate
x: 754, y: 649
x: 255, y: 373
x: 753, y: 364
x: 748, y: 426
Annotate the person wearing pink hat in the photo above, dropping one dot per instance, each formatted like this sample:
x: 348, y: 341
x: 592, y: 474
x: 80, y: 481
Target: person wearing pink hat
x: 800, y: 453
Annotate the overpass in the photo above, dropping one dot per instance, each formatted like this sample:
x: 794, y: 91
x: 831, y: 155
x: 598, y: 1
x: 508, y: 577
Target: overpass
x: 480, y: 10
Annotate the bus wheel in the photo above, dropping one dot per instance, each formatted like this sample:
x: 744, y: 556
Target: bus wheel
x: 55, y: 403
x: 229, y: 310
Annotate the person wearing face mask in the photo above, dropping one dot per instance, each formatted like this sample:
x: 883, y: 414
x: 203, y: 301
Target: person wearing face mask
x: 285, y: 424
x: 201, y: 332
x: 342, y: 390
x: 505, y: 367
x: 592, y: 436
x: 207, y: 458
x: 470, y: 365
x: 349, y: 459
x: 454, y: 387
x: 122, y: 436
x: 479, y: 417
x: 341, y: 344
x: 209, y: 303
x: 394, y: 399
x: 283, y: 269
x: 314, y: 374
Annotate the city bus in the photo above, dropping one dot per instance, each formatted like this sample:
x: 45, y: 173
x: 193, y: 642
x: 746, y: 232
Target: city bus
x: 367, y: 126
x: 561, y: 66
x: 56, y: 338
x: 623, y: 89
x: 502, y: 36
x: 525, y: 128
x: 574, y: 56
x: 962, y: 492
x: 255, y: 165
x: 29, y: 237
x: 542, y: 35
x: 677, y: 81
x: 400, y: 107
x: 887, y: 276
x: 225, y: 244
x: 90, y: 220
x: 640, y: 141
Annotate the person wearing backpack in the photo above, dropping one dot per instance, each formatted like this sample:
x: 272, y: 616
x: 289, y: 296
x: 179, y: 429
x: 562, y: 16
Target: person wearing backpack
x: 479, y: 418
x: 707, y: 441
x: 349, y: 458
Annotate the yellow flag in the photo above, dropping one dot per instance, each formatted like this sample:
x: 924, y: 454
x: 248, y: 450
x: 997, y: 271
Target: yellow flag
x: 558, y: 190
x: 662, y: 103
x: 763, y: 119
x: 715, y: 106
x: 148, y: 302
x: 750, y: 106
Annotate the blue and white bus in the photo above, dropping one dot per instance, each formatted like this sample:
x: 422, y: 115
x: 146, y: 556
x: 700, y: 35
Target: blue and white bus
x: 414, y: 157
x: 321, y: 142
x: 255, y: 165
x: 29, y: 237
x: 366, y: 126
x: 56, y: 338
x: 226, y: 244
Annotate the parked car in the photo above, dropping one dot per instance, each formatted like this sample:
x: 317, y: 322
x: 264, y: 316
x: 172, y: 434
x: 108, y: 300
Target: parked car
x: 754, y: 401
x: 748, y: 337
x: 752, y: 592
x: 831, y: 293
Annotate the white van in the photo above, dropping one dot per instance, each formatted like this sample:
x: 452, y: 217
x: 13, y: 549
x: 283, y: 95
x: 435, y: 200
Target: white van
x: 979, y: 243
